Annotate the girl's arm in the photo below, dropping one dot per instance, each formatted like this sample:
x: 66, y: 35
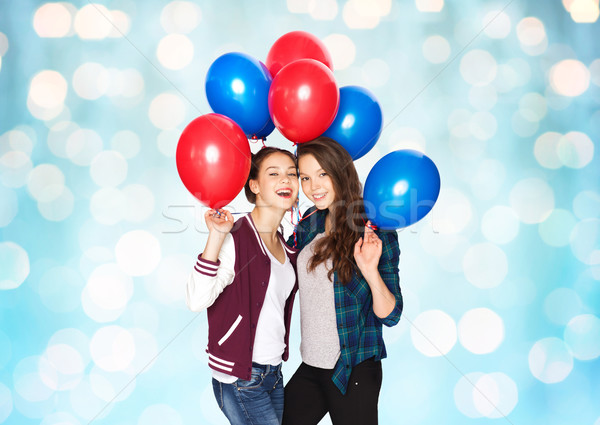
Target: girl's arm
x: 378, y: 262
x: 214, y: 268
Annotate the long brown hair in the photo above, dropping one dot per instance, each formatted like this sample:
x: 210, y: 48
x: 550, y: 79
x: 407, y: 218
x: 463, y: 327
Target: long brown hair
x: 347, y: 209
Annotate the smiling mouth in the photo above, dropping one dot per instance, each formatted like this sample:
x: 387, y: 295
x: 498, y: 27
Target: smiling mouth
x: 319, y: 196
x: 284, y: 193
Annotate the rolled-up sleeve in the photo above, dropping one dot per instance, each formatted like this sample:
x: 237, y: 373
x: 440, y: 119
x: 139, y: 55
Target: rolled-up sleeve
x: 388, y: 269
x: 209, y: 278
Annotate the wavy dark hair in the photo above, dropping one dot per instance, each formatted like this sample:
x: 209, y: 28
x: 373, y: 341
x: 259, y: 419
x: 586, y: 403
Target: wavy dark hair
x: 347, y: 211
x: 257, y: 160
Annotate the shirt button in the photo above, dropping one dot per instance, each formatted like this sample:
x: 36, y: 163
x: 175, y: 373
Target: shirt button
x: 250, y: 349
x: 263, y: 283
x: 258, y: 304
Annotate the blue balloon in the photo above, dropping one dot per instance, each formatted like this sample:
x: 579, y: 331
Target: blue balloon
x: 358, y: 122
x: 401, y: 189
x: 266, y: 130
x: 237, y: 86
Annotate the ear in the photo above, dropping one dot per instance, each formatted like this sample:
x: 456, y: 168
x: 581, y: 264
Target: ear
x: 254, y: 187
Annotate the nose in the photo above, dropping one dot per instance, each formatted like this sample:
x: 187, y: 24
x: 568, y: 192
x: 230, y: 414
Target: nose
x: 314, y: 184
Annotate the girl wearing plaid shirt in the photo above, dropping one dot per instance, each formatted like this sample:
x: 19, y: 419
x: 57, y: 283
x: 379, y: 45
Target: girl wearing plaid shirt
x: 349, y: 288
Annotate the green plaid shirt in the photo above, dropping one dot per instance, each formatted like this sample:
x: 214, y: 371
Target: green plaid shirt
x: 359, y: 328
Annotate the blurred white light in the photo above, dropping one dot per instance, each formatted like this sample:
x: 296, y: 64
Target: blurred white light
x: 483, y: 98
x: 323, y: 10
x: 58, y: 135
x: 59, y: 418
x: 297, y: 6
x: 575, y: 149
x: 582, y: 336
x: 532, y: 199
x: 3, y: 44
x: 533, y: 106
x: 595, y: 72
x: 121, y: 23
x: 52, y: 20
x: 46, y: 182
x: 133, y: 83
x: 180, y: 17
x: 10, y: 206
x: 342, y: 50
x: 452, y: 212
x: 158, y: 414
x: 488, y: 179
x: 458, y: 123
x: 92, y: 22
x: 91, y: 80
x: 140, y: 202
x: 175, y: 51
x: 463, y: 394
x: 376, y: 73
x: 20, y: 140
x: 556, y: 229
x: 587, y: 204
x: 569, y: 77
x: 82, y: 146
x: 498, y: 24
x: 7, y: 403
x: 546, y: 150
x: 15, y: 167
x: 550, y: 360
x: 59, y: 289
x: 28, y: 383
x: 58, y: 208
x: 485, y: 265
x: 406, y: 138
x: 108, y: 168
x: 429, y: 5
x: 500, y: 224
x: 495, y: 395
x: 354, y: 19
x: 166, y: 111
x: 483, y: 125
x: 126, y: 142
x: 531, y: 31
x: 481, y: 330
x: 146, y: 351
x: 112, y: 348
x: 14, y: 265
x: 433, y: 333
x: 109, y: 288
x: 370, y: 8
x: 436, y: 49
x: 506, y: 78
x: 86, y: 403
x: 108, y: 205
x: 585, y: 240
x: 584, y: 11
x: 48, y: 89
x: 138, y: 253
x: 61, y: 367
x: 478, y: 67
x: 561, y: 305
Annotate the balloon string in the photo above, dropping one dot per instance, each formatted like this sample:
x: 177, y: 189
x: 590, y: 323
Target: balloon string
x: 370, y: 226
x: 300, y: 218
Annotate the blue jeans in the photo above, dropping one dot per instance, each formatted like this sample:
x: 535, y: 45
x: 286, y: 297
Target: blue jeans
x: 258, y: 401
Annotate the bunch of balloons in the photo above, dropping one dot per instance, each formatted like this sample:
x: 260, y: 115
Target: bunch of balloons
x: 294, y: 91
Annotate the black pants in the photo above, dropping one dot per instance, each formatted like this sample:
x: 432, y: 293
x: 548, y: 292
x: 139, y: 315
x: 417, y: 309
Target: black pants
x: 311, y: 393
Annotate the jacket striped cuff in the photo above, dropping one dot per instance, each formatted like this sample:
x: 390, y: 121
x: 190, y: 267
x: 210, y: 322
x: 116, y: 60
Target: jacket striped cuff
x: 207, y: 267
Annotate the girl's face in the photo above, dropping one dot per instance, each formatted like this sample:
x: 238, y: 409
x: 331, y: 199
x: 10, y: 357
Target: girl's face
x: 277, y: 182
x: 316, y: 184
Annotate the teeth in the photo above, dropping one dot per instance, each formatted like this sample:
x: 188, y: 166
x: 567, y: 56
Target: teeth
x: 284, y: 192
x: 319, y: 196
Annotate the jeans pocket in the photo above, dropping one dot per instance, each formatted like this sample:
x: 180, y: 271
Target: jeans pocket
x: 256, y: 380
x: 218, y: 391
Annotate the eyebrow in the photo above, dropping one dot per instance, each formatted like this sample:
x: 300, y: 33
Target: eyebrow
x: 319, y: 170
x: 277, y: 168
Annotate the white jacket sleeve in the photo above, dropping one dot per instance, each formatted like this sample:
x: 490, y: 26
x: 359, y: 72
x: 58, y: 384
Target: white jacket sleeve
x: 209, y: 278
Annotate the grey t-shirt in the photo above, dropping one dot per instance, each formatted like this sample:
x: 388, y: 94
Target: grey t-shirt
x: 320, y: 345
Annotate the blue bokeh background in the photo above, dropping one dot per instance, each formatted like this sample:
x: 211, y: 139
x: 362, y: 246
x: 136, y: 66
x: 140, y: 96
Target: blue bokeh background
x: 98, y: 235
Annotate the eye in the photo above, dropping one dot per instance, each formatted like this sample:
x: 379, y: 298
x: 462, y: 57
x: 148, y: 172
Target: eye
x: 273, y: 174
x: 303, y: 179
x: 322, y: 174
x: 293, y: 175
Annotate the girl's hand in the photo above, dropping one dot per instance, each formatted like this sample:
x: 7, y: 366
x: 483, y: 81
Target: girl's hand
x: 215, y: 222
x: 367, y: 251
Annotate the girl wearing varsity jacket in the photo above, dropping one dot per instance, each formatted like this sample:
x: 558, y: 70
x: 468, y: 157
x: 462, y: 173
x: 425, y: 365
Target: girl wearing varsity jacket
x: 246, y: 279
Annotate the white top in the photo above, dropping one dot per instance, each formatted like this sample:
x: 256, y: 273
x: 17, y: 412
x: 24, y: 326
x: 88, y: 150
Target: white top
x: 320, y: 345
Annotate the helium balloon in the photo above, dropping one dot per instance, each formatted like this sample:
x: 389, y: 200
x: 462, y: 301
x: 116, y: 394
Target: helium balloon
x: 213, y: 159
x: 401, y: 189
x: 296, y: 45
x: 303, y: 100
x: 358, y: 123
x: 266, y: 130
x: 237, y: 86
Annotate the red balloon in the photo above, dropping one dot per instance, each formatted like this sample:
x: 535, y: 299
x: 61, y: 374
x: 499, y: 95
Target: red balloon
x: 213, y: 159
x: 303, y: 100
x: 296, y: 45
